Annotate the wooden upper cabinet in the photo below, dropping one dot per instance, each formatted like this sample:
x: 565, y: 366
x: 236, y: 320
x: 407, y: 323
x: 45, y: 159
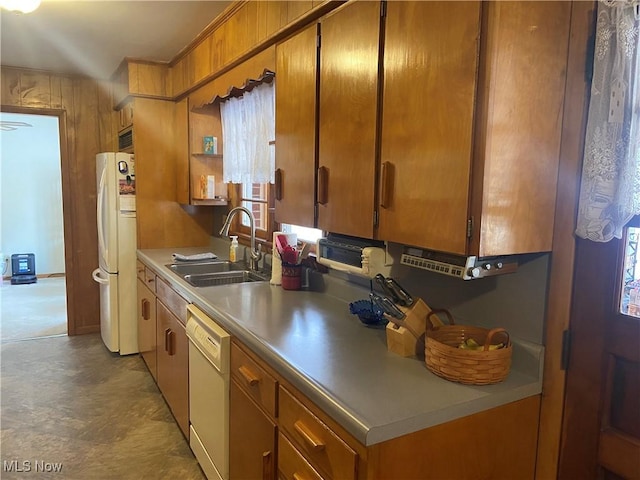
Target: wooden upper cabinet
x: 296, y: 67
x: 472, y: 107
x: 430, y: 66
x: 347, y: 119
x: 519, y: 119
x: 140, y: 77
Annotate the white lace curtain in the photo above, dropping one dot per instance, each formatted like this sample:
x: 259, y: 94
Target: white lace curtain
x: 248, y: 125
x: 610, y: 189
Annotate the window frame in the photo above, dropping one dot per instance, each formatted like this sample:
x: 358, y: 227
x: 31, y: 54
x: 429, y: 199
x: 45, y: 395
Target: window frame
x: 263, y: 237
x: 621, y: 270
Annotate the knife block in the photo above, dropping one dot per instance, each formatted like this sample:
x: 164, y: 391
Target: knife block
x: 402, y: 340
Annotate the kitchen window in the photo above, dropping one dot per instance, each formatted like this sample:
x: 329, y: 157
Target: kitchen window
x: 259, y: 199
x: 630, y: 281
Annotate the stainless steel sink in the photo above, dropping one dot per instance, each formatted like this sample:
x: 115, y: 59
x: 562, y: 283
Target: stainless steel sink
x: 205, y: 267
x: 220, y: 272
x: 223, y: 278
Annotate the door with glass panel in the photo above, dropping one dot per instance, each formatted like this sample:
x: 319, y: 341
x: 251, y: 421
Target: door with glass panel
x: 601, y: 431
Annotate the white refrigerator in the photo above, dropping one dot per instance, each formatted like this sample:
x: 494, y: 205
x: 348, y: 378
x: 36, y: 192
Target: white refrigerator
x: 116, y: 274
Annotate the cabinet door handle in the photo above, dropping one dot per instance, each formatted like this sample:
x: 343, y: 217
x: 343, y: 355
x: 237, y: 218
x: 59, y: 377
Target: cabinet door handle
x: 278, y: 178
x: 172, y: 343
x: 166, y: 339
x: 308, y: 436
x: 386, y: 183
x: 323, y: 185
x: 267, y: 465
x: 146, y: 310
x: 251, y: 378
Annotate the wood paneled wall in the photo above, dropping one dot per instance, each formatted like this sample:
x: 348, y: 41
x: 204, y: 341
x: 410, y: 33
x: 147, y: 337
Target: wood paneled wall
x: 87, y: 127
x: 161, y: 221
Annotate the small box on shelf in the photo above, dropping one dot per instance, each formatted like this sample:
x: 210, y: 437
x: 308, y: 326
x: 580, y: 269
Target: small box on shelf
x: 210, y: 145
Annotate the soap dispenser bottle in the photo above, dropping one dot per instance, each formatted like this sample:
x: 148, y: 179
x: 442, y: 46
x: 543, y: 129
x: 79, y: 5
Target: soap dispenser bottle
x: 233, y: 249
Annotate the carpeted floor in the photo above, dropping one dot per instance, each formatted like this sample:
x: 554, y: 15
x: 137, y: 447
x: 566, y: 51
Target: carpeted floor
x: 33, y: 310
x: 68, y: 403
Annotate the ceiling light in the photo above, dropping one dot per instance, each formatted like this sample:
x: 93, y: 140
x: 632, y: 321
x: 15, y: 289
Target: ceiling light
x: 24, y: 6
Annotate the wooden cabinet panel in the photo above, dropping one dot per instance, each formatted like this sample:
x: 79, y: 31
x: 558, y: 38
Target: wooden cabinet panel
x: 499, y: 443
x: 520, y: 111
x: 125, y: 115
x: 257, y: 382
x: 140, y: 270
x: 250, y: 11
x: 291, y: 464
x: 173, y: 365
x: 296, y: 67
x: 348, y: 115
x: 161, y: 221
x: 453, y: 70
x: 233, y: 32
x: 297, y: 9
x: 152, y: 79
x: 147, y: 327
x: 252, y: 439
x: 179, y: 76
x: 183, y: 190
x: 200, y: 60
x: 430, y: 65
x: 172, y: 300
x: 318, y: 443
x: 272, y: 16
x: 218, y: 54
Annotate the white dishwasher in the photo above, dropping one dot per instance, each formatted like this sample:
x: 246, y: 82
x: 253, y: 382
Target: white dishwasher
x: 209, y: 358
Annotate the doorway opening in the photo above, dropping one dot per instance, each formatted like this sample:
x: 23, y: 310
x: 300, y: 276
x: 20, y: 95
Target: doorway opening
x: 31, y: 221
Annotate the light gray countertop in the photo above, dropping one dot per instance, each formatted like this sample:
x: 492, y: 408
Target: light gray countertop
x: 312, y: 340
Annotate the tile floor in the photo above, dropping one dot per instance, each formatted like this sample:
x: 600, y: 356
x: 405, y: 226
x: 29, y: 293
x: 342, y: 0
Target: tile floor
x: 69, y: 403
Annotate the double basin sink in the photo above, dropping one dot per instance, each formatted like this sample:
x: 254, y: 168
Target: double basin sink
x: 219, y: 272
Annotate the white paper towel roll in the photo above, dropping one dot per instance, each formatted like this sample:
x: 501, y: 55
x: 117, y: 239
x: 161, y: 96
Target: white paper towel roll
x: 276, y: 262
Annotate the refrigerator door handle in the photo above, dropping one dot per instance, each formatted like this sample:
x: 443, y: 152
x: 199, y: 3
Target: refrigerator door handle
x: 96, y: 276
x: 101, y: 199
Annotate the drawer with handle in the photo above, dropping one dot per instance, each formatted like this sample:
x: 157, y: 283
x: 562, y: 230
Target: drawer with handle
x: 140, y: 270
x: 172, y: 300
x: 327, y: 452
x: 255, y: 380
x: 291, y: 464
x: 146, y: 275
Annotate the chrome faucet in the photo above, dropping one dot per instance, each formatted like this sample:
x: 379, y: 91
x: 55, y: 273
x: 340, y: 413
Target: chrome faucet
x: 256, y: 253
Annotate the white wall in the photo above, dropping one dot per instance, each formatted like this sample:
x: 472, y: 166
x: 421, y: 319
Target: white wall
x: 31, y: 191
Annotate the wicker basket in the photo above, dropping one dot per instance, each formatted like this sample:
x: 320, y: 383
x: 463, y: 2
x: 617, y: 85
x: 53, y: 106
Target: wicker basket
x: 475, y: 367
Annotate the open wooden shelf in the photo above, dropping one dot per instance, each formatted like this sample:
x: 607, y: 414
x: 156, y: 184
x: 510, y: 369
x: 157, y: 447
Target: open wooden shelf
x: 210, y: 201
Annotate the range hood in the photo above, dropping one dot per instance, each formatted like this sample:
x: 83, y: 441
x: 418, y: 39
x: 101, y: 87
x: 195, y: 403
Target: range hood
x: 466, y: 268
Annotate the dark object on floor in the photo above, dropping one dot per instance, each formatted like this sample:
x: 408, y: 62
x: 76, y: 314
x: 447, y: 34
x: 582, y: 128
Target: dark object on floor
x: 23, y: 268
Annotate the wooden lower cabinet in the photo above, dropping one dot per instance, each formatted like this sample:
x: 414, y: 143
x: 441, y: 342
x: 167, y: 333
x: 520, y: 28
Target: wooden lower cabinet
x: 252, y: 438
x: 291, y: 463
x: 147, y: 327
x: 173, y: 364
x: 499, y: 443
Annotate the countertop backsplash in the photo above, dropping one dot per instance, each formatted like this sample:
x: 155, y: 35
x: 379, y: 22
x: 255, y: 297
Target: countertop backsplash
x: 516, y: 301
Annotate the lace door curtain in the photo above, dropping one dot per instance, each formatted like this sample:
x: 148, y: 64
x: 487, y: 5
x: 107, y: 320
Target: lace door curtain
x: 610, y: 188
x: 248, y: 125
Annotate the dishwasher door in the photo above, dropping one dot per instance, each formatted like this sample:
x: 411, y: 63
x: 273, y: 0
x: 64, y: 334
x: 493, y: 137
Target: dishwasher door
x: 209, y: 358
